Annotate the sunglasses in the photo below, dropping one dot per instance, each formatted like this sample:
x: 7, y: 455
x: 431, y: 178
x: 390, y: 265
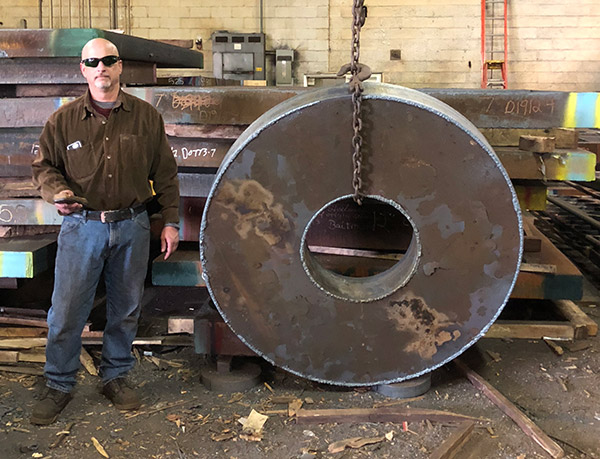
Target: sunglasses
x: 108, y: 61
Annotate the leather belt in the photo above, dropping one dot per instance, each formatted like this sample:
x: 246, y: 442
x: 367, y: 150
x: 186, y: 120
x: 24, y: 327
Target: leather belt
x: 111, y: 216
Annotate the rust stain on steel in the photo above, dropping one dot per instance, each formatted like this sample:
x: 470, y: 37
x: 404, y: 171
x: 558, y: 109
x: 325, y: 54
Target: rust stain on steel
x: 251, y: 208
x: 431, y: 328
x: 421, y: 157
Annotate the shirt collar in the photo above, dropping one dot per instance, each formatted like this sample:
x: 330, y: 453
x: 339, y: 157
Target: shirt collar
x: 122, y: 102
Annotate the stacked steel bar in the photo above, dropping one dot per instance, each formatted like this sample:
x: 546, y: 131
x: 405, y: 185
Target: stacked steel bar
x: 203, y: 122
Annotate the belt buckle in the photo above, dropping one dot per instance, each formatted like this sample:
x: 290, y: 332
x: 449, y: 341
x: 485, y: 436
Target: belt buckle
x: 103, y: 217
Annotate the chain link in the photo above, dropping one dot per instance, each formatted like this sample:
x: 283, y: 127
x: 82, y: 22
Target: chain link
x: 358, y: 19
x: 360, y: 73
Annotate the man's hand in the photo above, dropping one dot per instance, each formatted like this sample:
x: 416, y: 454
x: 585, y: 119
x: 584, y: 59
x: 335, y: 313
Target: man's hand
x: 66, y: 209
x: 169, y: 240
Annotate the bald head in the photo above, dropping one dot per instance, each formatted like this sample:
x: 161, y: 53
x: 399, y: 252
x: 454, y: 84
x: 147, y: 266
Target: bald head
x: 101, y: 67
x: 99, y: 47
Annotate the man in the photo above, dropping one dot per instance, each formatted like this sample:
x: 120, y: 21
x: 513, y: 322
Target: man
x: 97, y: 155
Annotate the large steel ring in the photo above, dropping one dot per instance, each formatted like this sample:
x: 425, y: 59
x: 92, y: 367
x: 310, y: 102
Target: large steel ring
x: 422, y: 158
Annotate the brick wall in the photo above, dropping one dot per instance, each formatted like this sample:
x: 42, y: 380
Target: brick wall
x: 553, y: 44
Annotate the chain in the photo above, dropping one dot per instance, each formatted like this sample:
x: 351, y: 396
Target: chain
x: 359, y: 74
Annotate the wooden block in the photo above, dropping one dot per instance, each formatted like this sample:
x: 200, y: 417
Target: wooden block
x: 9, y: 356
x: 255, y: 82
x: 565, y: 137
x: 23, y: 332
x: 531, y: 330
x: 497, y: 137
x: 584, y: 326
x: 22, y: 343
x: 538, y: 268
x: 34, y: 355
x: 537, y: 144
x: 574, y: 164
x: 23, y: 321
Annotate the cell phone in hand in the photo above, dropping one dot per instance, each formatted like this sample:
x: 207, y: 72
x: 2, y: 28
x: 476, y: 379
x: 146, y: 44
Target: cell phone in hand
x: 72, y: 200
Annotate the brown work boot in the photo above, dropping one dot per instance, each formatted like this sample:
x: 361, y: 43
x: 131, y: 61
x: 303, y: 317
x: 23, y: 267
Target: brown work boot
x: 121, y: 394
x: 49, y: 406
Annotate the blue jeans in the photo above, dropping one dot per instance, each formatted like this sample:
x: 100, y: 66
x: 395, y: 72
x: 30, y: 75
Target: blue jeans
x: 86, y: 248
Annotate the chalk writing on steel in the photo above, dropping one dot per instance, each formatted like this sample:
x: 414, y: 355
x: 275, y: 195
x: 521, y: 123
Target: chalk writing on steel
x: 176, y: 81
x: 192, y: 101
x: 524, y: 107
x: 6, y: 214
x: 186, y: 153
x: 343, y: 225
x: 528, y: 107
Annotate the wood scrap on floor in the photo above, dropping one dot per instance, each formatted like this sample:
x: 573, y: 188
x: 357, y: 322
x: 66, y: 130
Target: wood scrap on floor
x: 294, y: 406
x: 62, y: 435
x: 381, y: 414
x: 88, y: 362
x: 526, y: 424
x: 354, y: 443
x: 253, y: 426
x: 99, y: 447
x: 452, y: 445
x: 558, y: 350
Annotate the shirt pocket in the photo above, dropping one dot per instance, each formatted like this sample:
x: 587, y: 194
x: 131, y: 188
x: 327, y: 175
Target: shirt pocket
x: 81, y: 163
x: 133, y: 151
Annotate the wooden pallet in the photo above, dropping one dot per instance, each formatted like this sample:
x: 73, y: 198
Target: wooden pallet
x: 576, y: 325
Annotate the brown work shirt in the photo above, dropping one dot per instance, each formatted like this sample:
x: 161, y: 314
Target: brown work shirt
x: 108, y: 161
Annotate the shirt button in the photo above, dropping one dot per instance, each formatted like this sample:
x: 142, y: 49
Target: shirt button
x: 108, y: 157
x: 109, y: 175
x: 106, y: 138
x: 104, y: 122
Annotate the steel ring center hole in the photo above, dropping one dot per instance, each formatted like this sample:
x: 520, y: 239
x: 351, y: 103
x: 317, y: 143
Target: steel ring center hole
x: 360, y: 252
